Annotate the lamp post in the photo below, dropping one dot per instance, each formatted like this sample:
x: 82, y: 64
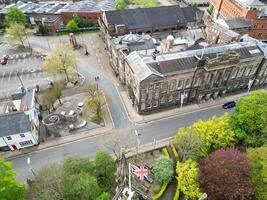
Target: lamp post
x: 182, y: 100
x: 204, y: 196
x: 30, y: 167
x: 137, y: 140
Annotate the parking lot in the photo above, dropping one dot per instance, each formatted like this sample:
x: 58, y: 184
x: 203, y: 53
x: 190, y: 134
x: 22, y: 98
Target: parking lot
x: 28, y: 69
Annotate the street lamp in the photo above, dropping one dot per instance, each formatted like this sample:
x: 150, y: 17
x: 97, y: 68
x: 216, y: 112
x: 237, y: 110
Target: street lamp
x: 30, y: 167
x: 137, y: 140
x: 182, y: 100
x: 204, y: 196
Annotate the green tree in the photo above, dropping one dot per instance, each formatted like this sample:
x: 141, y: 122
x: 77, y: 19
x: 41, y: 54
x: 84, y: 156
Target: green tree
x: 105, y: 169
x: 42, y: 29
x: 76, y: 165
x: 81, y: 23
x: 47, y: 100
x: 81, y: 186
x: 57, y: 91
x: 163, y: 169
x: 188, y: 179
x: 188, y: 143
x: 60, y: 61
x: 10, y: 189
x: 72, y: 26
x: 215, y: 134
x: 121, y: 5
x: 249, y: 121
x: 15, y: 34
x: 258, y: 161
x: 15, y: 15
x: 103, y: 196
x: 47, y: 183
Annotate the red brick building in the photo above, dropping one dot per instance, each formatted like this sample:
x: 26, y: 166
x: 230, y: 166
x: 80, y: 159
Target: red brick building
x: 253, y: 10
x: 91, y: 16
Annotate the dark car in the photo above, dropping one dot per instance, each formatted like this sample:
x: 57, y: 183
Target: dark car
x: 229, y: 105
x: 4, y: 60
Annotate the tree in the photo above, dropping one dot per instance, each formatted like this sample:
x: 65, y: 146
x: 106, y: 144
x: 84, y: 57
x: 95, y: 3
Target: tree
x: 9, y: 188
x: 42, y: 29
x: 72, y: 26
x: 81, y: 23
x: 60, y: 61
x: 47, y: 100
x: 215, y: 134
x: 188, y: 143
x: 188, y: 179
x: 103, y: 196
x: 75, y: 165
x: 249, y: 121
x: 95, y: 106
x: 226, y: 174
x: 81, y: 186
x: 121, y: 5
x: 57, y: 91
x: 15, y: 34
x: 105, y: 169
x: 163, y: 169
x: 258, y: 161
x: 47, y: 183
x: 15, y: 15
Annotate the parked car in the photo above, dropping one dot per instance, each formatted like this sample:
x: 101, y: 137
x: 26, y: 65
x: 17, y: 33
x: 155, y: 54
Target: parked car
x: 229, y: 105
x: 4, y: 60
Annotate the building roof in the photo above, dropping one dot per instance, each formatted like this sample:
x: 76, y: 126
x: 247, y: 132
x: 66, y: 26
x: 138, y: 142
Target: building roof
x: 250, y: 3
x: 14, y: 123
x: 149, y: 17
x: 238, y: 23
x: 91, y: 6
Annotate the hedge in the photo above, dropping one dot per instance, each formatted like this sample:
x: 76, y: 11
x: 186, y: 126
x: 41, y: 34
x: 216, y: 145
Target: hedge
x: 161, y: 192
x: 177, y: 192
x: 175, y: 152
x: 165, y: 152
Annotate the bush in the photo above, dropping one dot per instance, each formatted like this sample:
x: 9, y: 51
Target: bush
x: 177, y: 192
x: 175, y: 152
x: 165, y: 152
x: 163, y: 169
x: 161, y: 192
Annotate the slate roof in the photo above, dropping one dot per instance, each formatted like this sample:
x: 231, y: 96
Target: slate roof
x: 238, y: 23
x: 14, y: 123
x: 149, y: 17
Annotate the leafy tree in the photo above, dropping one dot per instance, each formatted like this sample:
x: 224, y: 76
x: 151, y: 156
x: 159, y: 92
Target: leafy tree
x: 95, y: 106
x: 75, y: 165
x: 249, y: 121
x: 15, y: 15
x: 60, y: 61
x: 225, y: 174
x: 215, y: 134
x: 9, y: 188
x: 72, y: 26
x: 121, y: 5
x: 188, y: 143
x: 47, y: 183
x: 188, y: 179
x: 163, y: 169
x: 81, y: 186
x: 57, y: 91
x: 258, y: 161
x: 15, y: 34
x: 42, y: 29
x: 105, y: 169
x: 81, y: 23
x: 103, y: 196
x: 47, y: 100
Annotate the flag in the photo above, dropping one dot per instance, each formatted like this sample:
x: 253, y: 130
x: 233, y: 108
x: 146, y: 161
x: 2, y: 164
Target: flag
x: 140, y: 171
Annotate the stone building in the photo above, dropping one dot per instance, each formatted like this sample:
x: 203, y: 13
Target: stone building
x: 146, y: 20
x: 193, y: 76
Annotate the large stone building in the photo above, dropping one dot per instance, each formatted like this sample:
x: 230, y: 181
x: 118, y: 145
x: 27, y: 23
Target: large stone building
x: 253, y: 10
x: 147, y: 20
x: 194, y: 76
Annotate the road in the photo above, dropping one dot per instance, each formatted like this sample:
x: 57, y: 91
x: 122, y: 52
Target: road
x: 160, y: 129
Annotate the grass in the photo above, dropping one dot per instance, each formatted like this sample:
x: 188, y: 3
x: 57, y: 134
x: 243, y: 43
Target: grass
x: 146, y: 3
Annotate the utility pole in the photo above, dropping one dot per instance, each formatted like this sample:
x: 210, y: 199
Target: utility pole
x: 30, y: 167
x: 182, y: 101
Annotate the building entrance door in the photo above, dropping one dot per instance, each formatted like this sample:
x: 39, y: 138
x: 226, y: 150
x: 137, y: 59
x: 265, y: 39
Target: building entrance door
x: 14, y: 147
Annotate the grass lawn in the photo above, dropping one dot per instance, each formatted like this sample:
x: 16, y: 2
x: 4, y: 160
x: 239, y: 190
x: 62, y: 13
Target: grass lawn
x: 146, y: 3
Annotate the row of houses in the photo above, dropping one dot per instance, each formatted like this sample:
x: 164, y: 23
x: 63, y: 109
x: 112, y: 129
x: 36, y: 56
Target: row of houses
x: 180, y: 59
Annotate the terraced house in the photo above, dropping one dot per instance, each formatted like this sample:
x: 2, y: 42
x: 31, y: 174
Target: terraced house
x: 194, y: 76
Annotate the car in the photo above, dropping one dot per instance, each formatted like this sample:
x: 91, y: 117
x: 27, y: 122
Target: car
x: 229, y: 105
x: 4, y: 60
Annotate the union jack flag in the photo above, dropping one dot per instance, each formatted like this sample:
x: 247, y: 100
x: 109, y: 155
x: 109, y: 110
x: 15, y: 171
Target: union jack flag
x: 140, y: 171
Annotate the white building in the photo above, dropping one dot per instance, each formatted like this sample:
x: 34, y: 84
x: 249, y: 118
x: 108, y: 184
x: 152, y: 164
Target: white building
x: 19, y: 123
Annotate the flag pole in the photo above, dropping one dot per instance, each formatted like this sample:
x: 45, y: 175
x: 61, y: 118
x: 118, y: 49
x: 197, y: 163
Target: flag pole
x: 130, y: 184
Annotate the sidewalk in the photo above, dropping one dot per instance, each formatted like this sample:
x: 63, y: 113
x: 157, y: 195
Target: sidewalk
x: 139, y: 119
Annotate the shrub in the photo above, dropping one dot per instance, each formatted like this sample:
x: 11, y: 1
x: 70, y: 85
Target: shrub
x: 163, y: 169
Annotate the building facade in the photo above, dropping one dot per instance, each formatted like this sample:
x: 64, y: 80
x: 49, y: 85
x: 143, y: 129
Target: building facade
x: 255, y: 11
x: 196, y: 76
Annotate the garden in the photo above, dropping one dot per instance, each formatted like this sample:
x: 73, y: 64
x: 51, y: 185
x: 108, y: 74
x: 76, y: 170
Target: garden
x: 221, y: 158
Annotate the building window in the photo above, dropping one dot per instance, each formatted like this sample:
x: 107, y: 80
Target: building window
x: 22, y: 135
x: 172, y: 85
x: 170, y: 98
x: 261, y: 72
x: 247, y: 71
x: 157, y: 94
x: 143, y: 106
x: 149, y: 94
x: 143, y: 95
x: 149, y: 104
x: 180, y: 84
x: 187, y: 83
x: 162, y: 100
x: 155, y: 104
x: 26, y: 143
x: 210, y: 78
x: 240, y: 72
x: 178, y: 96
x: 164, y: 87
x: 234, y: 72
x: 253, y: 71
x: 8, y: 138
